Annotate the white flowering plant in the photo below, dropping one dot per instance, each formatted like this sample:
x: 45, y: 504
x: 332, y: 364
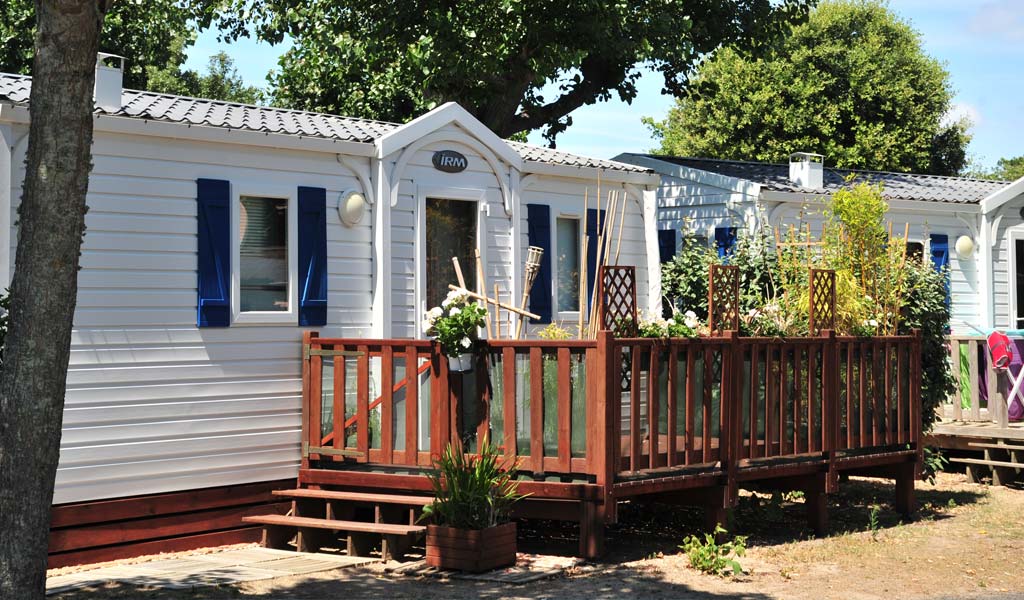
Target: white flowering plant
x: 454, y: 324
x: 681, y: 325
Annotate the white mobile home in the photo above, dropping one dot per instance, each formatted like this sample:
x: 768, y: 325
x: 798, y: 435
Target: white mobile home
x: 217, y: 232
x: 974, y: 227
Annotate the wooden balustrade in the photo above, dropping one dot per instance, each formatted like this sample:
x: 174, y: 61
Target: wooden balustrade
x: 971, y: 371
x: 610, y: 409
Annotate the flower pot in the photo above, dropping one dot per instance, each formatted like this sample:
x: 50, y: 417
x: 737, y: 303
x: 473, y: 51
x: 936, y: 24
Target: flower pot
x: 472, y: 550
x: 462, y: 363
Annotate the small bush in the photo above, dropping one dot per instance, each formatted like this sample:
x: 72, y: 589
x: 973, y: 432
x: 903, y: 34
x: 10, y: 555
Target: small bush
x: 708, y: 556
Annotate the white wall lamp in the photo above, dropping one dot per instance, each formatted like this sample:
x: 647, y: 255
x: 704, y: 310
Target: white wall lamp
x: 964, y: 247
x: 351, y: 207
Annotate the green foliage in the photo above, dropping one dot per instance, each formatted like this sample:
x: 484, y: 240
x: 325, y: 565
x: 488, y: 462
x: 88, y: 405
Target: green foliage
x: 554, y: 331
x: 684, y: 279
x: 145, y: 32
x: 873, y: 523
x: 1006, y: 169
x: 516, y: 65
x: 925, y: 308
x: 708, y: 556
x: 455, y: 323
x: 681, y: 325
x: 472, y: 491
x: 934, y: 461
x: 852, y: 83
x: 221, y: 81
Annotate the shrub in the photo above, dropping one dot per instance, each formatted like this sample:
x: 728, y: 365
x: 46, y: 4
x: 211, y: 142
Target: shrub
x: 684, y: 279
x: 925, y: 308
x: 708, y: 556
x: 472, y: 491
x: 554, y: 332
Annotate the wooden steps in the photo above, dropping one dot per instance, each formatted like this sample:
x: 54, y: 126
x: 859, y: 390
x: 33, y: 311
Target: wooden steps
x: 366, y: 521
x: 1004, y: 462
x: 357, y: 497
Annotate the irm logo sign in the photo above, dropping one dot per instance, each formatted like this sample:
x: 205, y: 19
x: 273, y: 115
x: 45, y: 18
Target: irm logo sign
x: 450, y: 161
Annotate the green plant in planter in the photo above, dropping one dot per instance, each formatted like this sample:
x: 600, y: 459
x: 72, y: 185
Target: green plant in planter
x: 455, y: 323
x: 472, y: 491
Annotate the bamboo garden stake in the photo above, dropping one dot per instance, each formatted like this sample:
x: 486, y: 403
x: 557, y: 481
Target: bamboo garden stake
x: 481, y: 287
x: 622, y: 220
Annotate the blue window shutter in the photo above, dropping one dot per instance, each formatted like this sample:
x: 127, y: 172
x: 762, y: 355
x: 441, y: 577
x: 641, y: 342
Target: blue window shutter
x: 939, y: 243
x: 213, y: 200
x: 666, y: 245
x: 594, y: 227
x: 538, y: 217
x: 312, y: 243
x: 725, y: 238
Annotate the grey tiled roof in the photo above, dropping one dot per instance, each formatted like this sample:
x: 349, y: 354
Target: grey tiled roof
x: 898, y: 186
x: 551, y: 155
x: 214, y: 113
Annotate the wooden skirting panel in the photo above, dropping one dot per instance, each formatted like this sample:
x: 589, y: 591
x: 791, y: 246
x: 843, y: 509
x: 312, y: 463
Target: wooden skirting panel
x: 88, y: 532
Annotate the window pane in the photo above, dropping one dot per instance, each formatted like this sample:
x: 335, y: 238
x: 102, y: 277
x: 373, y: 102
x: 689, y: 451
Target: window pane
x: 451, y: 231
x: 567, y: 235
x: 263, y: 254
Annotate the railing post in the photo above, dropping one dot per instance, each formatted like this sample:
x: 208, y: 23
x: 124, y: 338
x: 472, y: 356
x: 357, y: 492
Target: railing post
x: 440, y: 402
x: 601, y: 428
x: 916, y: 413
x: 307, y: 340
x: 731, y: 407
x: 830, y: 405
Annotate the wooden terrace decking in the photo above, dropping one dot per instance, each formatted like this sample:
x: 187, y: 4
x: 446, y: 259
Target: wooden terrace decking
x: 597, y: 422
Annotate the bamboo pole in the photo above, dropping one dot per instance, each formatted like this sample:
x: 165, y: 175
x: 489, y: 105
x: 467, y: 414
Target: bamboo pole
x: 481, y: 287
x: 497, y: 313
x: 622, y: 221
x: 584, y: 241
x: 458, y: 272
x: 473, y: 294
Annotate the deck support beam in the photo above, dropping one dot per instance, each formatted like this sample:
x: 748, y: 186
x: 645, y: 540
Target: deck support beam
x: 592, y: 520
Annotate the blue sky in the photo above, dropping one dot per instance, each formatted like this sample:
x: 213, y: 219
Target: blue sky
x: 981, y: 42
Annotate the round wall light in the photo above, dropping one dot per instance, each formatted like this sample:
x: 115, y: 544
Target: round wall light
x: 964, y: 246
x: 351, y: 207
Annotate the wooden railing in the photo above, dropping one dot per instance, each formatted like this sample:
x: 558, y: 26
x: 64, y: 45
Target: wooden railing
x: 611, y: 409
x: 970, y: 376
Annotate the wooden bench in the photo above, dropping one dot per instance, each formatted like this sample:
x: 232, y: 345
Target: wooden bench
x: 312, y: 534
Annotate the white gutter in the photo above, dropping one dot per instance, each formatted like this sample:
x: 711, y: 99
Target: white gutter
x: 1001, y: 197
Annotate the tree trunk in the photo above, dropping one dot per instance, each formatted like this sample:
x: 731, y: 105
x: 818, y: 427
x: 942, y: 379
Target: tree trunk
x: 45, y: 285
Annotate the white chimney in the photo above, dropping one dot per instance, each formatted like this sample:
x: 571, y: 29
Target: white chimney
x: 807, y: 170
x: 109, y: 78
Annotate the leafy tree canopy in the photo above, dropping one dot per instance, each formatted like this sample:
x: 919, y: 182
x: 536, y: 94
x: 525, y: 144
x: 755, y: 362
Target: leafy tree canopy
x: 394, y: 59
x: 152, y: 35
x: 221, y: 81
x: 1007, y: 169
x: 852, y: 83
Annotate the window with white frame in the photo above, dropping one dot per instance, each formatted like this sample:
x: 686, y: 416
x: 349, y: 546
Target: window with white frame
x: 567, y: 264
x: 263, y: 282
x: 1018, y: 281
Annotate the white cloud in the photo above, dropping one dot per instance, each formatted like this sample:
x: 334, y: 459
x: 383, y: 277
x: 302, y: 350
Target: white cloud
x: 1002, y: 18
x: 961, y: 110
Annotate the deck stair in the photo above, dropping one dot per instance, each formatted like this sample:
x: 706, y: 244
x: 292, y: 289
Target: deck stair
x: 1005, y: 462
x: 366, y: 520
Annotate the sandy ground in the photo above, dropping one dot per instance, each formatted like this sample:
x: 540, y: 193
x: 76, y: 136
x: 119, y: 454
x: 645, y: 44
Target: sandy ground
x: 967, y: 541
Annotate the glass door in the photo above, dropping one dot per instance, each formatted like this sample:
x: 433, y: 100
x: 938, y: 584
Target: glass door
x: 451, y: 231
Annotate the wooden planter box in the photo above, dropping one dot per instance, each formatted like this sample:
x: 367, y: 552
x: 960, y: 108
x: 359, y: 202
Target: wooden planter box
x: 471, y: 550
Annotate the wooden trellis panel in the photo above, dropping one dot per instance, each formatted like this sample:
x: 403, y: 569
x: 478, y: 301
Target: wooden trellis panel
x: 823, y: 300
x: 618, y: 310
x: 724, y: 298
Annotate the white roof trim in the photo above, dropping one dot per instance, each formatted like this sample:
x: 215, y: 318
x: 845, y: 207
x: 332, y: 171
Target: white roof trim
x: 732, y: 184
x: 921, y: 206
x: 997, y: 199
x: 449, y: 112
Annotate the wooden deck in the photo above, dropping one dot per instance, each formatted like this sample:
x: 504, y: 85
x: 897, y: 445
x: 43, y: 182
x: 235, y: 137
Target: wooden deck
x: 597, y: 422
